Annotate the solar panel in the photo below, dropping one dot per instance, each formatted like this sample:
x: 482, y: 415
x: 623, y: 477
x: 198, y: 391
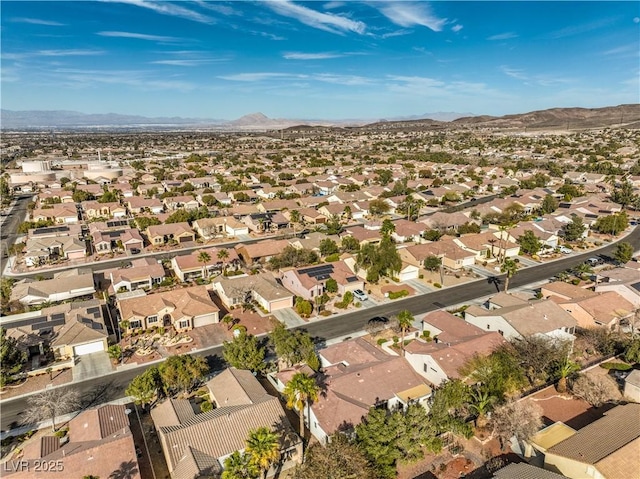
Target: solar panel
x: 636, y: 286
x: 352, y: 279
x: 114, y: 223
x: 85, y: 320
x: 50, y: 229
x: 93, y: 310
x: 57, y: 317
x: 317, y: 271
x: 48, y: 324
x: 95, y: 325
x: 18, y: 324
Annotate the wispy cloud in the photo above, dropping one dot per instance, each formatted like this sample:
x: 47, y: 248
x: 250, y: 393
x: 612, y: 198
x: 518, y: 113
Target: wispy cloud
x: 456, y: 28
x: 66, y: 53
x: 254, y: 77
x: 503, y: 36
x: 139, y: 79
x: 397, y: 33
x: 219, y: 8
x: 572, y: 30
x: 320, y: 20
x: 167, y: 8
x: 514, y: 73
x: 409, y: 14
x: 333, y: 78
x: 629, y: 50
x: 38, y: 21
x: 140, y: 36
x: 187, y: 63
x: 348, y: 80
x: 310, y: 56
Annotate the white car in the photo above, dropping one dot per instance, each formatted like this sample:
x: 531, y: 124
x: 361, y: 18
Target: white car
x: 565, y: 250
x: 360, y: 295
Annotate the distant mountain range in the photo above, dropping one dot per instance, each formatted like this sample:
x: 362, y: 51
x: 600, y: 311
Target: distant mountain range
x: 555, y: 118
x: 44, y: 119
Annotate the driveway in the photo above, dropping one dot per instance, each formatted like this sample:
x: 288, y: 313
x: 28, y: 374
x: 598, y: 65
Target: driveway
x: 419, y: 286
x: 288, y: 317
x: 92, y: 366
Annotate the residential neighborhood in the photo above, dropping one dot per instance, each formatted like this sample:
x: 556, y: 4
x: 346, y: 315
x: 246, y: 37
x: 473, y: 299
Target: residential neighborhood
x: 434, y: 303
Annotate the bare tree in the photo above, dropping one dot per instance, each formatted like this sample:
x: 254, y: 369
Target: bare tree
x: 595, y: 389
x: 49, y: 404
x: 521, y: 419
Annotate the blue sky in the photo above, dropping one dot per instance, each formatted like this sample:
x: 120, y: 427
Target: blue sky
x: 317, y: 60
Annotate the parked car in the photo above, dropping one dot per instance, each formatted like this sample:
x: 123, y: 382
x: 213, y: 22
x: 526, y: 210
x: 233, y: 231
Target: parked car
x: 360, y: 295
x: 593, y: 261
x: 565, y: 250
x: 135, y: 251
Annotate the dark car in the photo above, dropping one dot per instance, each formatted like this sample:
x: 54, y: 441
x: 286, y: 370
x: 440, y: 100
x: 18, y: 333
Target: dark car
x: 135, y: 251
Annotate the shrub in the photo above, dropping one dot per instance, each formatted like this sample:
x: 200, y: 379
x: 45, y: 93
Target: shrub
x: 332, y: 257
x: 421, y: 276
x: 616, y: 366
x: 398, y: 294
x: 381, y: 341
x: 206, y: 406
x: 61, y: 433
x: 325, y: 312
x: 575, y: 281
x: 437, y: 285
x: 396, y: 339
x: 357, y: 304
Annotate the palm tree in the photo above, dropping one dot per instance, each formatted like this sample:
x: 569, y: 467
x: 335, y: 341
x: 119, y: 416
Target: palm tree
x: 222, y: 255
x: 204, y: 258
x: 263, y: 446
x: 481, y: 403
x: 583, y: 269
x: 566, y: 369
x: 510, y: 268
x: 299, y: 391
x: 405, y: 321
x: 239, y: 466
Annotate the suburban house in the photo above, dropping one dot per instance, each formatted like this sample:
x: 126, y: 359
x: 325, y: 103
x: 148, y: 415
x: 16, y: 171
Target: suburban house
x: 359, y: 376
x: 623, y: 281
x: 189, y: 267
x: 310, y: 282
x: 523, y: 470
x: 451, y: 343
x: 173, y: 203
x: 99, y: 444
x: 197, y: 444
x: 69, y: 330
x: 143, y: 273
x: 183, y: 309
x: 162, y: 234
x: 44, y: 249
x: 407, y: 231
x: 65, y: 213
x: 608, y: 448
x: 488, y: 245
x: 606, y: 310
x: 64, y: 285
x: 517, y: 318
x: 221, y: 226
x: 93, y: 209
x: 453, y: 256
x: 114, y: 236
x: 262, y: 288
x: 261, y: 251
x: 138, y: 204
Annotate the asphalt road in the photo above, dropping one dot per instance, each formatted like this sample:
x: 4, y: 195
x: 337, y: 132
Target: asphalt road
x: 110, y: 387
x: 10, y: 222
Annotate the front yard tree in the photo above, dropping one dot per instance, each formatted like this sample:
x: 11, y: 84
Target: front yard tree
x: 299, y: 392
x: 509, y: 267
x: 144, y: 387
x: 378, y: 207
x: 49, y: 404
x: 387, y: 227
x: 624, y: 195
x: 350, y: 244
x: 549, y: 205
x: 183, y: 372
x: 623, y: 252
x: 432, y: 263
x: 204, y: 258
x: 11, y: 357
x: 244, y: 352
x: 405, y: 322
x: 328, y: 246
x: 339, y: 459
x: 574, y: 230
x: 521, y: 419
x: 263, y: 446
x: 529, y: 243
x: 293, y: 346
x: 612, y: 224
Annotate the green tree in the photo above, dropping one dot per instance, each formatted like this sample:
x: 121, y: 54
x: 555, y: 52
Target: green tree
x: 11, y: 357
x: 143, y: 222
x: 376, y: 436
x: 509, y: 268
x: 299, y: 392
x: 350, y: 244
x: 405, y: 322
x: 182, y: 372
x: 145, y: 387
x: 292, y: 257
x: 338, y: 459
x: 612, y: 224
x: 632, y: 351
x: 387, y: 227
x: 293, y: 346
x: 498, y: 373
x: 449, y: 408
x: 624, y: 195
x: 222, y: 255
x: 378, y: 207
x: 263, y: 446
x: 432, y: 263
x: 244, y: 352
x: 6, y: 286
x: 481, y: 403
x: 334, y: 225
x: 565, y: 369
x: 303, y: 307
x: 108, y: 197
x: 328, y: 246
x: 549, y: 205
x: 623, y: 252
x: 115, y: 351
x: 239, y: 466
x: 529, y: 243
x: 416, y: 432
x: 331, y: 286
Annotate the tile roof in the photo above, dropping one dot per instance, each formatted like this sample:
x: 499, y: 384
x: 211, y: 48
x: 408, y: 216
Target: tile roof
x: 236, y: 386
x: 591, y: 444
x: 190, y: 302
x: 525, y: 471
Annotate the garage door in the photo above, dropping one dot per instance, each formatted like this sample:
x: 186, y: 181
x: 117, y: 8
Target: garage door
x: 88, y: 348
